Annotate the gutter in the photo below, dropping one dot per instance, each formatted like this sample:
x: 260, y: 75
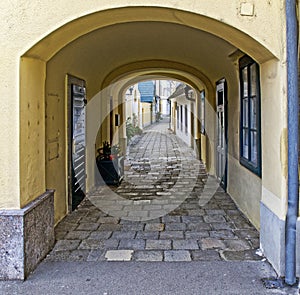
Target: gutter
x: 293, y: 113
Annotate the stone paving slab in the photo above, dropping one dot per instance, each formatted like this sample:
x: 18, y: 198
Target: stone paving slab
x: 237, y: 245
x: 118, y: 255
x: 152, y: 235
x: 99, y: 244
x: 77, y: 235
x: 175, y: 226
x: 185, y: 245
x: 158, y: 244
x: 154, y: 227
x: 148, y: 256
x: 208, y: 255
x: 118, y: 235
x: 100, y: 235
x: 211, y: 243
x: 66, y: 245
x: 240, y: 255
x: 222, y: 234
x: 96, y: 255
x: 171, y: 211
x: 134, y: 244
x: 79, y: 255
x: 180, y: 255
x: 196, y: 235
x: 167, y: 235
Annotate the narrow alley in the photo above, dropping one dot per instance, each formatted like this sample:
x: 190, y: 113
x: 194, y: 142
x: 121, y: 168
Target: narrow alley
x: 150, y: 147
x: 166, y: 209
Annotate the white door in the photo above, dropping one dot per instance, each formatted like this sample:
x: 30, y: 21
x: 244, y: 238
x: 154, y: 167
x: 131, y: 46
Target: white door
x: 221, y: 148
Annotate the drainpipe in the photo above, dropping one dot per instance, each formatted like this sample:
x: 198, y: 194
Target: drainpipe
x: 293, y: 113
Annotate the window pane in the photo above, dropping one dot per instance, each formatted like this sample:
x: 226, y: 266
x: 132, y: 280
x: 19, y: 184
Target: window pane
x: 202, y: 111
x: 253, y: 79
x: 245, y: 143
x: 181, y: 118
x: 219, y: 129
x: 220, y: 98
x: 186, y: 118
x: 254, y: 147
x: 253, y: 112
x: 245, y: 82
x: 222, y: 128
x: 245, y: 113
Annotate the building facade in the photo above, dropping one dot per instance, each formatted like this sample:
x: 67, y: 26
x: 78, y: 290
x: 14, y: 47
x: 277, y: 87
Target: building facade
x: 65, y: 75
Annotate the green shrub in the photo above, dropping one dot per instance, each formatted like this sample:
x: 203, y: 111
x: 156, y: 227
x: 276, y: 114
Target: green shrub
x: 132, y: 130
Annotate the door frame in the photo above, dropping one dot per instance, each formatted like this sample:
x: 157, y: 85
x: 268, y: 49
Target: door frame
x: 71, y: 80
x: 221, y: 86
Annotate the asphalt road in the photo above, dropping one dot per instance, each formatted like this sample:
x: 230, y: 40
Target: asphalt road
x: 122, y: 278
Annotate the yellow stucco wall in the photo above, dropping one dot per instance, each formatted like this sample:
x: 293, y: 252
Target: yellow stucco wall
x: 94, y: 43
x: 146, y: 114
x: 56, y: 140
x: 228, y: 12
x: 274, y: 137
x: 32, y: 122
x: 209, y: 139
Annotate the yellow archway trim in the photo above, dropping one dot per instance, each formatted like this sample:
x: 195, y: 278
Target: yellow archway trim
x: 55, y: 41
x: 170, y: 69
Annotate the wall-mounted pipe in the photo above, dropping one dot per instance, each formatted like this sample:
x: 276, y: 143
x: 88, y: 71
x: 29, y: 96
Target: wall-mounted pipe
x: 293, y: 112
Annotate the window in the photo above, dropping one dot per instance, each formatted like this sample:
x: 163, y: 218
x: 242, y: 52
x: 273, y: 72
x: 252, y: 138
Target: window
x: 177, y: 111
x: 201, y: 111
x: 186, y: 118
x: 181, y: 119
x: 250, y: 143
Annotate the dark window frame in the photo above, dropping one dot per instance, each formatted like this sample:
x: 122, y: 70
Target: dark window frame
x: 201, y: 111
x: 177, y: 116
x: 181, y: 118
x: 250, y: 116
x: 186, y: 119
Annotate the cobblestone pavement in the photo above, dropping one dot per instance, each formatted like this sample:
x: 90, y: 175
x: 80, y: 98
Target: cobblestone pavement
x: 166, y: 209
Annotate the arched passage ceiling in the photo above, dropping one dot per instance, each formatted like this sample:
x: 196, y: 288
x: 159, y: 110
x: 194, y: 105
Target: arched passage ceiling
x: 72, y: 30
x: 97, y: 55
x: 124, y: 82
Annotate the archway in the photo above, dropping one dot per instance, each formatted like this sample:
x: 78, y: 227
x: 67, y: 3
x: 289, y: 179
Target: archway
x: 149, y: 41
x: 87, y: 48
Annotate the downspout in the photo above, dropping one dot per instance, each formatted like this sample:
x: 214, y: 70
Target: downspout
x: 293, y: 112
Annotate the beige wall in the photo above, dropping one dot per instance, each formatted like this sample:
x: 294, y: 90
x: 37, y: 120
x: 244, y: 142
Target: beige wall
x: 32, y: 122
x: 208, y: 144
x: 98, y: 46
x: 146, y: 114
x: 133, y: 105
x: 186, y: 133
x: 228, y: 11
x: 56, y: 100
x: 243, y: 185
x: 274, y: 137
